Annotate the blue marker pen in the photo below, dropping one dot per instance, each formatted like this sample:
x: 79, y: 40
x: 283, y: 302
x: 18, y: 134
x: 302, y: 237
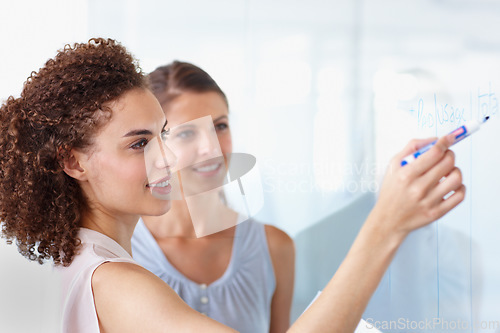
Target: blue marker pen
x: 460, y: 133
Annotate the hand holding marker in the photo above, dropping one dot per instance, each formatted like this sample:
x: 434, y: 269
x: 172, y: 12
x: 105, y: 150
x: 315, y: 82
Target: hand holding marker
x: 460, y: 133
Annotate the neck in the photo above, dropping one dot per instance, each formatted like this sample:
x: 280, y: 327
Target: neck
x: 118, y: 228
x: 208, y: 215
x: 175, y: 223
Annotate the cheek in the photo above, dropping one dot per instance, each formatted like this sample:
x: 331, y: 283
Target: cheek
x: 226, y: 144
x: 95, y: 171
x: 135, y: 171
x: 120, y: 171
x: 186, y: 156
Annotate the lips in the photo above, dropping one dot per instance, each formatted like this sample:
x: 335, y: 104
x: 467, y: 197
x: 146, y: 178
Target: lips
x: 207, y: 167
x: 161, y: 188
x: 163, y: 183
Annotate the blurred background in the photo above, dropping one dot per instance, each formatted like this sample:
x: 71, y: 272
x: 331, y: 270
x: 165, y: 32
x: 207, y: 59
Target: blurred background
x: 323, y: 94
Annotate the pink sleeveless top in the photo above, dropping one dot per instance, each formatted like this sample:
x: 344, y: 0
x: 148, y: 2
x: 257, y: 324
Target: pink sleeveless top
x: 79, y: 313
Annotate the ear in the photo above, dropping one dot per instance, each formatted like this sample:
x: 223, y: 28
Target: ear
x: 74, y: 165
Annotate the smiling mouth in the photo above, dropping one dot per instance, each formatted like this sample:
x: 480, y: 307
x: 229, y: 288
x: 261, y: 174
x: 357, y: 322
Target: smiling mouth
x: 164, y: 183
x: 207, y: 168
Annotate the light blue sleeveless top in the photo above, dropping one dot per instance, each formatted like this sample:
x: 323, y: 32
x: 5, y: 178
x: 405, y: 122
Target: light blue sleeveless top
x: 240, y: 298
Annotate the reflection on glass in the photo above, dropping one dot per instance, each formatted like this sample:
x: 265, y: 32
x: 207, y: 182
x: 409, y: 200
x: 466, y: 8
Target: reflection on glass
x: 187, y: 164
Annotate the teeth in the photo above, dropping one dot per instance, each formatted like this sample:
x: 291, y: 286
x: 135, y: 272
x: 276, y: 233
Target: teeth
x: 208, y: 168
x: 162, y: 184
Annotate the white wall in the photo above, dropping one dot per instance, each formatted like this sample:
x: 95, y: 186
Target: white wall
x: 30, y: 34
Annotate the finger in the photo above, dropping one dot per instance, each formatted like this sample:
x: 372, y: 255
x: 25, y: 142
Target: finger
x: 451, y: 202
x: 442, y: 169
x: 431, y: 157
x: 412, y: 147
x: 452, y: 182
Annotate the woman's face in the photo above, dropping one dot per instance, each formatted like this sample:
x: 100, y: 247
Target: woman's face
x: 200, y: 138
x: 118, y: 179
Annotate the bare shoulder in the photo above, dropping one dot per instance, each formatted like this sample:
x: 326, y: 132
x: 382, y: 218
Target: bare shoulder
x: 279, y: 242
x: 129, y: 298
x: 112, y: 276
x: 124, y: 285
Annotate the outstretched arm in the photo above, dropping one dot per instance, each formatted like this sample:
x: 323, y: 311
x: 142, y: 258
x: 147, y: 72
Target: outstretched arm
x: 411, y: 197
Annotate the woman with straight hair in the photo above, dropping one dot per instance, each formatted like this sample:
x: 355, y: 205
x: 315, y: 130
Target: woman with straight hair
x: 242, y: 274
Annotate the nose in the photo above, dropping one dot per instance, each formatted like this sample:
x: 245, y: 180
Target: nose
x: 208, y: 144
x: 165, y: 158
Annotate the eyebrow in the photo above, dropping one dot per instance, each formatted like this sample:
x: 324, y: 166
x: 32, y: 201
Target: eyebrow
x: 181, y: 126
x: 220, y: 118
x: 138, y: 132
x: 142, y: 131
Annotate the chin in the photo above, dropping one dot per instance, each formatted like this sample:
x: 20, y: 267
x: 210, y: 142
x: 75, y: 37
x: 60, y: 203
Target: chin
x: 159, y: 209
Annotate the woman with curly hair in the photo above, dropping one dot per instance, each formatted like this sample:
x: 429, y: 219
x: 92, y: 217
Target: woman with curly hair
x: 74, y: 180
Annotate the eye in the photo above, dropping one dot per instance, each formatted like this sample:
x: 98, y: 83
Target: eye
x: 186, y: 134
x: 221, y: 127
x: 140, y: 144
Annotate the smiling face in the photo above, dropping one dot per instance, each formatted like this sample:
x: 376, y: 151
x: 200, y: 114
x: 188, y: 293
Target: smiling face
x: 200, y: 138
x: 115, y: 177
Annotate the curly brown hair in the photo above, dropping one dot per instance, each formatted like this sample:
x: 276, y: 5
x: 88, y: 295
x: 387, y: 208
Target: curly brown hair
x: 60, y: 108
